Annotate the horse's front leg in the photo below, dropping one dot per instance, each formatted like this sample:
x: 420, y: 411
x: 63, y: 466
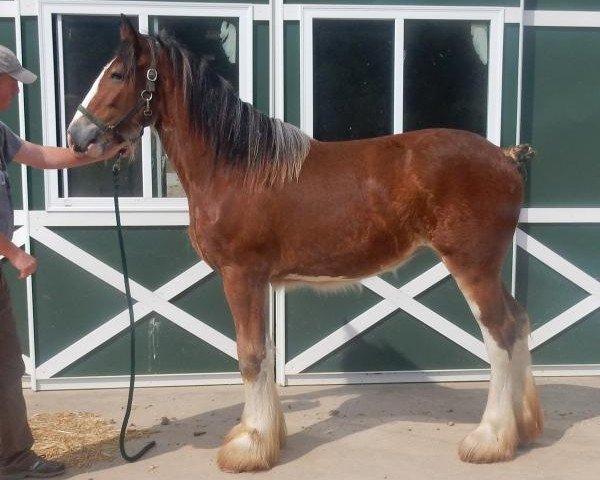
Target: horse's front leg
x: 255, y: 442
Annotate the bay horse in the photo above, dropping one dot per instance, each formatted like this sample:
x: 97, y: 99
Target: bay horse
x: 269, y: 205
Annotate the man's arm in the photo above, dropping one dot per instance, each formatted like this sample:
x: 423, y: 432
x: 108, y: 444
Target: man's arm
x: 18, y: 258
x: 39, y: 156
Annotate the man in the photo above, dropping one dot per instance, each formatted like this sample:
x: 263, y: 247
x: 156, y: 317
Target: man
x: 17, y: 460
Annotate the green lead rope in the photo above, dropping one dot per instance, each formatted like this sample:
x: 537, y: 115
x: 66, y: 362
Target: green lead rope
x: 148, y: 446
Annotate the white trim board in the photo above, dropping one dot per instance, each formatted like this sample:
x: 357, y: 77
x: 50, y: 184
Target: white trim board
x: 429, y: 376
x: 164, y: 216
x: 78, y: 218
x: 8, y: 9
x: 558, y: 18
x: 334, y: 378
x: 291, y: 12
x: 141, y: 381
x: 559, y: 215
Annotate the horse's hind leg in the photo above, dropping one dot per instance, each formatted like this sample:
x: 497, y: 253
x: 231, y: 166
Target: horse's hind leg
x: 254, y: 443
x: 512, y: 415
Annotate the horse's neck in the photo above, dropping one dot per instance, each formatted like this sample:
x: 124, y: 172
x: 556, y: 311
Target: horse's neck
x: 187, y: 150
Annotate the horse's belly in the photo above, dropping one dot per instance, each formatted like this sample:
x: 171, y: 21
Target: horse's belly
x: 344, y: 264
x: 319, y: 282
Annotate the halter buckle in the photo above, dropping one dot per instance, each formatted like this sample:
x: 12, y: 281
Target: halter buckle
x: 152, y: 74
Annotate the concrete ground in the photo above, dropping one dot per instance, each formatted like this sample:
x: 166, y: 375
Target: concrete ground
x: 399, y: 431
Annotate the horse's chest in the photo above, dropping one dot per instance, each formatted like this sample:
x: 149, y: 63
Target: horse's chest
x: 203, y: 234
x: 216, y: 236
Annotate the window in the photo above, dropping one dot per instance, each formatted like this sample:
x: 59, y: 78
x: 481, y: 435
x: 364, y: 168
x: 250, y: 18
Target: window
x: 213, y: 38
x: 77, y: 73
x: 378, y: 70
x: 82, y: 44
x: 353, y: 78
x: 446, y: 74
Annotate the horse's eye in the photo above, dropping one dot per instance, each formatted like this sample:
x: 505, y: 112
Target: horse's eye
x: 116, y: 76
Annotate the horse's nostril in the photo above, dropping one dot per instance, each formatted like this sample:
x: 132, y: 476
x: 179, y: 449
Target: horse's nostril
x: 81, y: 135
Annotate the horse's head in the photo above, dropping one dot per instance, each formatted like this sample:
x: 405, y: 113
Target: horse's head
x: 120, y: 103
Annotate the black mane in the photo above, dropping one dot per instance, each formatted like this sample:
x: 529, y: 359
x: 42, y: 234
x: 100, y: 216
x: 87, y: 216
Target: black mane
x: 267, y: 151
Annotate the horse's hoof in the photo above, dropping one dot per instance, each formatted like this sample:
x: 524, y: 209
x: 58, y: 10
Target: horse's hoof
x: 485, y: 445
x: 246, y: 450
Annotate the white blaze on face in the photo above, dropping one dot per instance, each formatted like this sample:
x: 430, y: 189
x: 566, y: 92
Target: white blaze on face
x: 88, y: 98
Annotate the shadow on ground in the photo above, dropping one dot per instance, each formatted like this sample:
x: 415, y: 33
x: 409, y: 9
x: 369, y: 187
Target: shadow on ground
x: 363, y: 407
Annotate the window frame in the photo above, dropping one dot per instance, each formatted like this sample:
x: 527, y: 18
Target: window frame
x: 399, y: 14
x: 53, y: 120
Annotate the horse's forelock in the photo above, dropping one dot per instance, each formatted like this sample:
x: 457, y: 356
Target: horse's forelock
x: 126, y: 55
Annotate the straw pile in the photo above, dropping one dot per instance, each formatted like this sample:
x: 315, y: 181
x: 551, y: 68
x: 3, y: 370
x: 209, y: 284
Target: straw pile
x: 78, y: 439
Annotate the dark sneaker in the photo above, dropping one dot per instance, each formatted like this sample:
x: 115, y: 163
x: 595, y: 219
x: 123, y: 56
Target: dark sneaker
x: 32, y: 466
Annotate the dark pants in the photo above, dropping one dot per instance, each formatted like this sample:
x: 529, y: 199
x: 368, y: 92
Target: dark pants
x: 15, y: 436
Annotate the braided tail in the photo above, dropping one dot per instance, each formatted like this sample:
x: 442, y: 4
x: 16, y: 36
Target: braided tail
x: 520, y: 154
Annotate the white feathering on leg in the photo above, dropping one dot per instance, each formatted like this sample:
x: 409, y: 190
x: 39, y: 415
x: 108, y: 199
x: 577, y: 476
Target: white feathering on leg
x: 255, y: 442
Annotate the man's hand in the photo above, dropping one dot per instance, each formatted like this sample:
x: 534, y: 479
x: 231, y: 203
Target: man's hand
x: 18, y: 258
x: 23, y: 262
x: 58, y: 157
x: 95, y: 153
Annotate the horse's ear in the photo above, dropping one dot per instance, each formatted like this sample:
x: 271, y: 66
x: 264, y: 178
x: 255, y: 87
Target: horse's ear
x: 128, y: 31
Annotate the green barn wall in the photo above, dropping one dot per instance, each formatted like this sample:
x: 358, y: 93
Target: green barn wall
x: 560, y: 122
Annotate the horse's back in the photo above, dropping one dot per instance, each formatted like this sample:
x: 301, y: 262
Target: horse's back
x: 432, y: 149
x: 443, y: 165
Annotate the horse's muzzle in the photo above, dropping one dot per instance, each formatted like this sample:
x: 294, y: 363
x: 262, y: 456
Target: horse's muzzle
x: 82, y: 133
